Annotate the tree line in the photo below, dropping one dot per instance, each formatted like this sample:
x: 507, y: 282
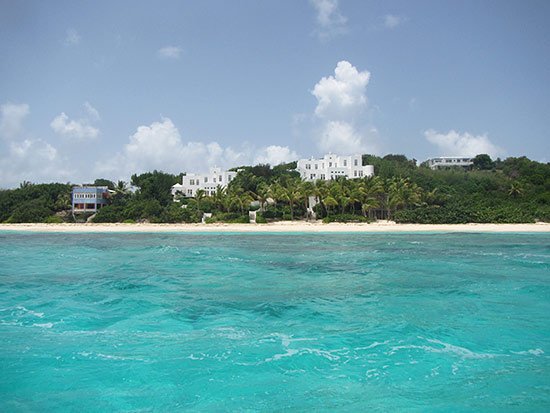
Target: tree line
x: 510, y: 190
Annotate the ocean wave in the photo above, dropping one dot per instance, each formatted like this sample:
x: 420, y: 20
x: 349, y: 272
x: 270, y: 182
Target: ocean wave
x: 446, y: 348
x: 532, y: 352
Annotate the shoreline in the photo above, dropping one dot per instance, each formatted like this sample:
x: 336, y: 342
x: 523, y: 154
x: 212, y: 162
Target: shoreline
x: 285, y: 226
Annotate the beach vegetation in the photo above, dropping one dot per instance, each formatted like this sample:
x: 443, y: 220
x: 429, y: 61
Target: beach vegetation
x: 512, y: 190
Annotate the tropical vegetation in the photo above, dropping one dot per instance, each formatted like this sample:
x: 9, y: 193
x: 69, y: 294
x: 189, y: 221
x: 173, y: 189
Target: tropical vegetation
x: 500, y: 191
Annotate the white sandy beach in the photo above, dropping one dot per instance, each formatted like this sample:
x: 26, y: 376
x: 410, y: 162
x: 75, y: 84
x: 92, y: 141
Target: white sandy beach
x: 295, y: 226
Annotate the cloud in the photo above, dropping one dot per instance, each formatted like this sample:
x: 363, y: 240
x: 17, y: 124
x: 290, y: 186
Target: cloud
x: 342, y: 95
x: 275, y: 155
x: 160, y: 146
x: 170, y: 52
x: 339, y: 114
x: 11, y: 119
x: 330, y: 22
x: 343, y: 138
x: 391, y: 21
x: 23, y: 158
x: 92, y: 112
x: 72, y: 38
x: 454, y: 143
x: 80, y: 129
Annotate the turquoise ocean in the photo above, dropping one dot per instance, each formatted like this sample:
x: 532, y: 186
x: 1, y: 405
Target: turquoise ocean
x: 274, y: 322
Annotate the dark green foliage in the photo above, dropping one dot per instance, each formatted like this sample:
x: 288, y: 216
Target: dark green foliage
x: 503, y: 191
x: 483, y: 162
x: 109, y: 213
x: 33, y: 203
x: 155, y: 186
x: 104, y: 182
x: 174, y: 213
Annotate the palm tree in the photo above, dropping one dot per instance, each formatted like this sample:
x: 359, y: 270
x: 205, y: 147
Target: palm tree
x: 200, y: 194
x: 308, y: 189
x: 368, y: 205
x: 121, y: 188
x: 220, y: 197
x: 292, y: 193
x: 516, y: 189
x: 330, y: 202
x: 262, y: 194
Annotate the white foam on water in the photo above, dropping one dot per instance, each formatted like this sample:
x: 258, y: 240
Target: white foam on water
x: 31, y: 312
x: 446, y: 349
x: 373, y: 345
x: 532, y: 352
x: 43, y: 325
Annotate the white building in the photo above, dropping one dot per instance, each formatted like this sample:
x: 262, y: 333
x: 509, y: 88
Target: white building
x: 333, y: 166
x: 444, y: 162
x: 190, y: 183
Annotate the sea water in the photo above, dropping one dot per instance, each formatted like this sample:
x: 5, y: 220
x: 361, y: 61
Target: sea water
x: 274, y: 322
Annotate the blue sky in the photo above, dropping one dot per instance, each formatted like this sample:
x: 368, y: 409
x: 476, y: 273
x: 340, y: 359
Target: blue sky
x: 105, y: 89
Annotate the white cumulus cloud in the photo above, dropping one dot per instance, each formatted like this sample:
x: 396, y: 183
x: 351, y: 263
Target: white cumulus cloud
x: 342, y: 95
x: 341, y: 137
x: 170, y: 52
x: 454, y: 143
x: 80, y: 129
x: 11, y: 119
x: 391, y: 21
x: 72, y: 38
x: 330, y: 22
x: 23, y: 158
x: 339, y: 114
x: 160, y: 146
x: 275, y: 155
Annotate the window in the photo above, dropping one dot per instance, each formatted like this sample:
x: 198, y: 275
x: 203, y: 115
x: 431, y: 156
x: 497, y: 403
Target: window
x: 220, y: 178
x: 322, y: 176
x: 345, y: 162
x: 312, y: 176
x: 214, y: 179
x: 354, y: 173
x: 205, y: 179
x: 189, y: 192
x: 355, y: 162
x: 330, y: 164
x: 360, y: 173
x: 316, y: 166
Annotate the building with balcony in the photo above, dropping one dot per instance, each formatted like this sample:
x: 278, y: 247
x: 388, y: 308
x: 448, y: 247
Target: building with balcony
x: 209, y: 182
x: 446, y: 162
x: 89, y: 198
x: 332, y: 167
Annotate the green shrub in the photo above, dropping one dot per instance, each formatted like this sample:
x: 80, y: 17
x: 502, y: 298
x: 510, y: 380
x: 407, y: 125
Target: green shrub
x: 345, y: 218
x: 260, y: 219
x: 53, y: 219
x: 109, y: 213
x: 128, y: 221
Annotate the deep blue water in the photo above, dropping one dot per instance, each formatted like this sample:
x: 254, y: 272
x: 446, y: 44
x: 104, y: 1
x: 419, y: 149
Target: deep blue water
x: 274, y: 322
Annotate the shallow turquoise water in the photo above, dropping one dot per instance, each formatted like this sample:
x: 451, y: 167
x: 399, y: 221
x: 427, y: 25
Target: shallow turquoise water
x: 273, y: 322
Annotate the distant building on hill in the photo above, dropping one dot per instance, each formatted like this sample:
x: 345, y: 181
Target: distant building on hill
x: 333, y: 166
x: 89, y: 198
x: 209, y: 182
x: 446, y: 162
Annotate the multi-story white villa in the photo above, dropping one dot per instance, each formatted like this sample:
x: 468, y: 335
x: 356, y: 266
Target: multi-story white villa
x: 444, y: 162
x: 333, y: 166
x: 209, y: 182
